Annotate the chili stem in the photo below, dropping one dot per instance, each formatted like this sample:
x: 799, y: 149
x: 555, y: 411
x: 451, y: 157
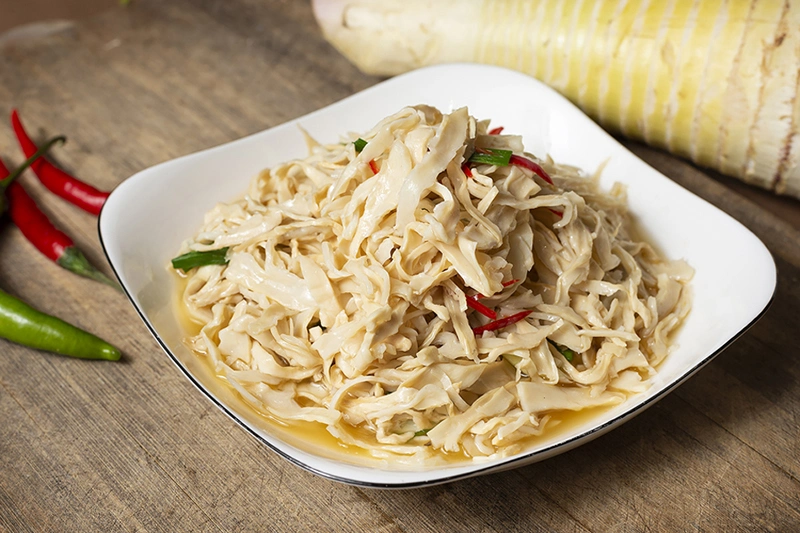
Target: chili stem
x: 73, y: 260
x: 17, y: 172
x: 68, y: 187
x: 47, y: 238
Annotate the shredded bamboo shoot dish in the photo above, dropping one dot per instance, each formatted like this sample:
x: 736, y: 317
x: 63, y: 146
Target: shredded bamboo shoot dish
x: 429, y: 289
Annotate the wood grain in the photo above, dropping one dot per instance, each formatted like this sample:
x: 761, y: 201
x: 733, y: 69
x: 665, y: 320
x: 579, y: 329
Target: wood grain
x: 134, y: 447
x: 34, y: 11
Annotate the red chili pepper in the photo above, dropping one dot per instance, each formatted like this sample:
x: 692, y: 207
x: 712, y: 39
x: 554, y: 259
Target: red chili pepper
x: 59, y: 182
x: 501, y: 322
x: 556, y: 212
x: 52, y: 242
x: 496, y: 131
x: 472, y: 302
x: 467, y: 171
x: 35, y: 226
x: 524, y: 162
x: 373, y: 166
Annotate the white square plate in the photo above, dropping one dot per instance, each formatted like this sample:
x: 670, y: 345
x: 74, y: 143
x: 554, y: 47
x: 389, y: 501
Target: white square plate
x: 147, y: 217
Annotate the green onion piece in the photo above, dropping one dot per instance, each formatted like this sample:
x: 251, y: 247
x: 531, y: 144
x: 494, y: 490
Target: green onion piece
x: 566, y: 352
x: 495, y: 156
x: 192, y: 260
x: 359, y: 144
x: 422, y: 432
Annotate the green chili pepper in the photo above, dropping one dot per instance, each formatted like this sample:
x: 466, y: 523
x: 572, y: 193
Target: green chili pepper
x: 492, y: 156
x: 192, y: 260
x: 512, y: 359
x: 360, y: 144
x: 566, y: 352
x: 24, y: 325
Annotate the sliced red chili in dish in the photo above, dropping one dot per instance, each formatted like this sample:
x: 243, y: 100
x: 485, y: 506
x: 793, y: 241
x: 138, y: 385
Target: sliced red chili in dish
x: 524, y: 162
x: 501, y: 323
x: 473, y: 303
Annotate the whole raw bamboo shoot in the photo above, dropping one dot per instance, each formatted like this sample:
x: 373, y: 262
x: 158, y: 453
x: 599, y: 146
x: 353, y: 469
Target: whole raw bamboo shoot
x: 715, y: 81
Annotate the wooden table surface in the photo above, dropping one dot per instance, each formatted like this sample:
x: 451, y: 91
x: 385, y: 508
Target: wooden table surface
x: 133, y: 446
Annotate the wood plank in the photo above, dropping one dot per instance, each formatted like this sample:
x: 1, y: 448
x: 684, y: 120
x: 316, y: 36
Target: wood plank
x: 676, y: 446
x: 761, y: 367
x: 17, y: 13
x: 60, y: 448
x: 258, y: 476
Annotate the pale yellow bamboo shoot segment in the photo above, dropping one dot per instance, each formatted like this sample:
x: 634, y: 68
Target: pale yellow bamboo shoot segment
x: 715, y: 81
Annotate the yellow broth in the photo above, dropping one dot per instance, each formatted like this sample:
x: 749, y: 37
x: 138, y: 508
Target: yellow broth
x: 316, y: 434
